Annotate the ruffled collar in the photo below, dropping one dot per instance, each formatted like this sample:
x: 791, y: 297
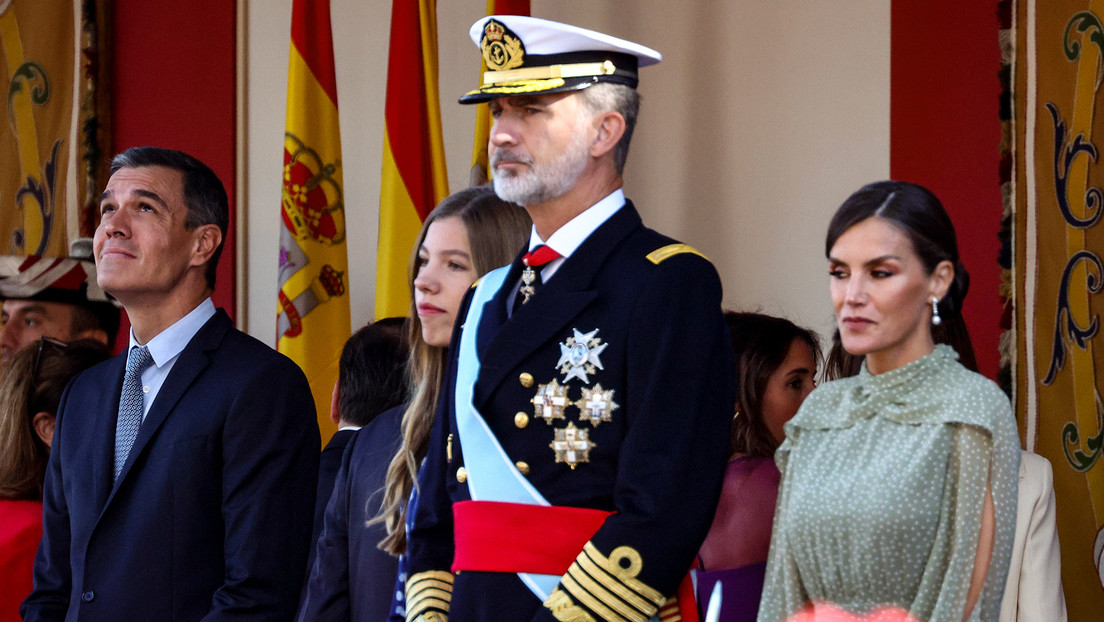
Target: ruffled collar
x: 904, y: 395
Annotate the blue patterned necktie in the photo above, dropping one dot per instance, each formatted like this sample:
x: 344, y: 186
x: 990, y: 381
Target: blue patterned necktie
x: 130, y: 405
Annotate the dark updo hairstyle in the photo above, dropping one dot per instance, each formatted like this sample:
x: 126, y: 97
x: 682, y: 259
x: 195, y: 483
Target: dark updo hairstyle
x: 917, y: 213
x: 760, y: 344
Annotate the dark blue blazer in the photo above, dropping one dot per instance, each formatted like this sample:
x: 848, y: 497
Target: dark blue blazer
x: 352, y: 579
x: 211, y: 515
x: 328, y: 466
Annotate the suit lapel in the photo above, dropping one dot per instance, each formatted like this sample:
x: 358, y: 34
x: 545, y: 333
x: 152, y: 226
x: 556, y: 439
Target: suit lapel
x: 105, y: 413
x: 193, y: 360
x: 554, y: 305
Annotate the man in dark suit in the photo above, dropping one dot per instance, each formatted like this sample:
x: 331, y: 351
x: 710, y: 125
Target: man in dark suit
x: 578, y: 453
x: 182, y: 475
x: 371, y: 379
x: 348, y: 577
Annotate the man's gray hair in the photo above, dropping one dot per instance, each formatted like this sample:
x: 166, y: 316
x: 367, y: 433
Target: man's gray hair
x: 624, y: 100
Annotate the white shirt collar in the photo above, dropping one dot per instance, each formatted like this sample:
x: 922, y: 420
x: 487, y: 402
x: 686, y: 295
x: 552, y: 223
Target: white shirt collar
x: 171, y: 342
x: 570, y: 236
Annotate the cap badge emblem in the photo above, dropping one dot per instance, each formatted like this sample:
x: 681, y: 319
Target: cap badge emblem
x: 501, y: 50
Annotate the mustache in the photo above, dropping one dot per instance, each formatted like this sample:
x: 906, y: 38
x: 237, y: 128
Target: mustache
x: 506, y: 155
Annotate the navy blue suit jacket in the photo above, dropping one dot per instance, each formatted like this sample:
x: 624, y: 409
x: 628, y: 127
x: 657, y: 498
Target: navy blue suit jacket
x: 352, y: 579
x: 211, y: 515
x: 328, y: 466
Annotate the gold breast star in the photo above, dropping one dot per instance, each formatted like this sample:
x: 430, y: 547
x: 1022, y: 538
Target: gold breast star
x: 596, y: 405
x: 572, y: 445
x: 550, y: 401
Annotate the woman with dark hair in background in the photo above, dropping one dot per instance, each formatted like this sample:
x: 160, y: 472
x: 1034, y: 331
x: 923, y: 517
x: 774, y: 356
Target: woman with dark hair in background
x: 776, y: 362
x: 29, y: 396
x: 899, y: 484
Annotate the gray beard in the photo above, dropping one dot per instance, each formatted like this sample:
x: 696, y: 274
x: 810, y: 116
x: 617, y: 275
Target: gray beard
x: 545, y: 182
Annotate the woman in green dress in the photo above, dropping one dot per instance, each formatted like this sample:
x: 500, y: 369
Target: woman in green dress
x: 898, y: 492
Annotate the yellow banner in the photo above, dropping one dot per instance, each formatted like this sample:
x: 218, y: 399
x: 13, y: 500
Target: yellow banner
x: 1059, y: 246
x: 51, y: 140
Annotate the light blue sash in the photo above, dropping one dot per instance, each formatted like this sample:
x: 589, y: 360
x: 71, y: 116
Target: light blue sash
x: 492, y: 476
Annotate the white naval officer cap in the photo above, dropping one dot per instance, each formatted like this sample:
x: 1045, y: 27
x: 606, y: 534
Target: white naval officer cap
x: 534, y: 56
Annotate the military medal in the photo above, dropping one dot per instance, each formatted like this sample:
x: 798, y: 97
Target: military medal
x: 550, y: 401
x: 579, y: 355
x: 596, y: 405
x: 536, y: 258
x: 572, y: 445
x: 528, y: 276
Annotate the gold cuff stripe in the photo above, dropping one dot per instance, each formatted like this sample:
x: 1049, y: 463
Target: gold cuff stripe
x: 670, y: 611
x: 564, y: 609
x: 529, y: 86
x: 617, y: 575
x: 430, y: 616
x: 425, y: 590
x: 660, y: 255
x: 574, y: 70
x: 413, y: 592
x: 593, y: 603
x: 440, y: 575
x: 425, y: 598
x: 436, y: 604
x: 586, y: 572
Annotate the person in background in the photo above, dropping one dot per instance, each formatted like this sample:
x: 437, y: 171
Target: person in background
x: 1033, y: 592
x: 29, y: 395
x: 182, y: 477
x: 776, y: 363
x: 467, y: 234
x: 898, y: 491
x: 371, y: 380
x: 37, y: 303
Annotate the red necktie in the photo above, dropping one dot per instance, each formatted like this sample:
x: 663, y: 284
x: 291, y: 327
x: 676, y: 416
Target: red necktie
x: 530, y: 278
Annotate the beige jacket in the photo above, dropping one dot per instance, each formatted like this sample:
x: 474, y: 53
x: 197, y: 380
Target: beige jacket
x: 1033, y: 592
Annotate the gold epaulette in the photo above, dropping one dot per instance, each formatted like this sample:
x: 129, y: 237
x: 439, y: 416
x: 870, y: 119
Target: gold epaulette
x: 606, y: 586
x: 428, y: 595
x: 661, y: 254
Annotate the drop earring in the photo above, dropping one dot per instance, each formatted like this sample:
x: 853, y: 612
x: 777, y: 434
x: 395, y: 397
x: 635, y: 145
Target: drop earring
x: 935, y: 320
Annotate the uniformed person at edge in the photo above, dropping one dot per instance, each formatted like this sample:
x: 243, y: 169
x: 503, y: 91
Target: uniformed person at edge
x: 582, y: 433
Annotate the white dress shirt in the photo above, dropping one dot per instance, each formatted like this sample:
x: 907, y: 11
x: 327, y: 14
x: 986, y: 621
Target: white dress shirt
x: 569, y: 237
x: 166, y: 347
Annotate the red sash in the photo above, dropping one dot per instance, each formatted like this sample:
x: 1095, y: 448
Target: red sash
x: 496, y: 536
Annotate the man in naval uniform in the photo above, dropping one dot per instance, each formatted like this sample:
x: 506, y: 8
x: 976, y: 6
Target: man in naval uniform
x: 583, y: 426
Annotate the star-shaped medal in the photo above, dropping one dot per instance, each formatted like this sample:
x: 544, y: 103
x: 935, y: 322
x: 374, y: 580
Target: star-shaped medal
x: 596, y: 405
x: 550, y: 401
x: 572, y: 445
x: 579, y: 355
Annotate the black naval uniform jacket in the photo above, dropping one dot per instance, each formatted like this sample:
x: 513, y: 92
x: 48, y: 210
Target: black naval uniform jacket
x: 658, y: 463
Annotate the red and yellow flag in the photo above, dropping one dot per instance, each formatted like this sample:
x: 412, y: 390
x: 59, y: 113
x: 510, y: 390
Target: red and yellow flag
x: 414, y: 178
x: 479, y: 174
x: 312, y: 321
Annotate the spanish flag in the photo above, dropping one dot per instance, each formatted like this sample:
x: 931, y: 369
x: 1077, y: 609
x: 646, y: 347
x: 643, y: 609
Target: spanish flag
x: 414, y: 179
x: 312, y: 322
x: 479, y: 172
